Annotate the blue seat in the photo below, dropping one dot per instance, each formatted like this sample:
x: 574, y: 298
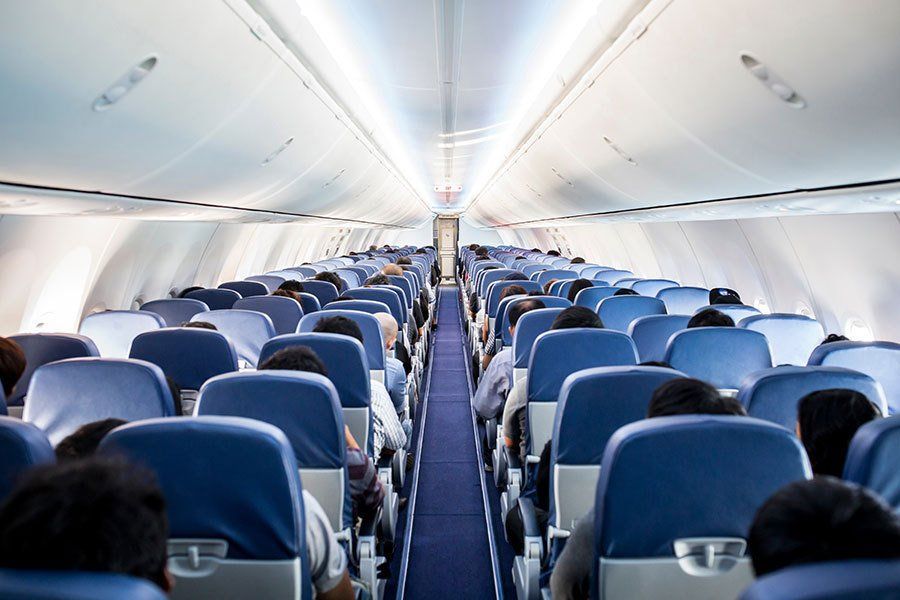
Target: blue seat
x: 361, y: 274
x: 594, y: 270
x: 306, y: 408
x: 245, y: 288
x: 367, y: 306
x: 737, y: 312
x: 561, y: 288
x: 227, y: 538
x: 543, y: 277
x: 67, y: 394
x: 43, y: 348
x: 495, y: 290
x: 612, y: 276
x: 651, y: 334
x: 307, y: 271
x: 773, y: 394
x: 490, y: 277
x: 309, y: 303
x: 175, y: 311
x: 627, y: 282
x: 114, y: 330
x: 248, y: 330
x: 683, y: 300
x: 270, y: 280
x: 22, y: 446
x: 873, y: 458
x: 591, y: 297
x: 618, y: 312
x: 371, y: 331
x: 880, y: 360
x: 215, y: 298
x: 285, y: 313
x: 651, y: 287
x: 531, y: 268
x: 559, y: 262
x: 530, y: 326
x: 324, y: 291
x: 350, y: 277
x: 848, y: 580
x: 792, y: 338
x: 721, y: 356
x: 74, y: 585
x: 549, y: 302
x: 189, y: 356
x: 713, y: 473
x: 402, y: 283
x: 385, y: 295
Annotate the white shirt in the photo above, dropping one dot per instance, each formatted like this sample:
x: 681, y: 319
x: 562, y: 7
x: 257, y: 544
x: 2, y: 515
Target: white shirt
x: 327, y: 560
x: 387, y: 431
x: 494, y: 385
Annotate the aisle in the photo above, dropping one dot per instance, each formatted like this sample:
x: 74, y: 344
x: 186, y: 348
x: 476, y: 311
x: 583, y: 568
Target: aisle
x: 449, y: 552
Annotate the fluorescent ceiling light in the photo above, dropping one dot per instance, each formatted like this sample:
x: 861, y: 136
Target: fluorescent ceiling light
x: 470, y: 131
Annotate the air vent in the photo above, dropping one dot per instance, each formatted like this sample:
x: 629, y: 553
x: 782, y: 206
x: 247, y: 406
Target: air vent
x: 284, y: 146
x: 125, y: 84
x: 772, y: 81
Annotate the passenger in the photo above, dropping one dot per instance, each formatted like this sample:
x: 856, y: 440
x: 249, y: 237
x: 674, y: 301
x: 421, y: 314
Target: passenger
x: 84, y: 441
x: 834, y: 337
x: 183, y: 293
x: 12, y: 365
x: 548, y: 286
x: 821, y: 520
x: 175, y: 390
x: 517, y: 276
x: 331, y: 278
x: 377, y: 279
x: 514, y: 429
x: 577, y: 286
x: 625, y: 292
x: 490, y: 348
x: 288, y: 294
x: 199, y: 325
x: 475, y: 305
x: 95, y: 514
x: 827, y: 420
x: 291, y: 285
x: 710, y: 317
x: 417, y: 314
x: 394, y: 373
x: 552, y: 253
x: 577, y: 261
x: 723, y: 295
x: 392, y: 269
x: 388, y: 432
x: 655, y: 363
x: 481, y: 251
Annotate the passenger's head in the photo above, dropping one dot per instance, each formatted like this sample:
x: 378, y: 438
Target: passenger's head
x: 473, y: 247
x: 330, y: 277
x: 513, y: 290
x: 685, y: 396
x: 822, y: 520
x: 826, y: 422
x: 552, y: 252
x: 341, y: 325
x: 481, y: 251
x: 655, y: 363
x: 183, y: 293
x: 577, y: 286
x: 518, y: 258
x: 12, y: 364
x: 577, y: 261
x: 834, y: 337
x: 710, y: 317
x: 392, y: 269
x: 378, y: 279
x: 291, y: 285
x: 84, y: 441
x: 722, y: 295
x: 287, y: 294
x: 389, y: 329
x: 199, y: 325
x: 96, y: 514
x: 517, y: 276
x: 577, y: 316
x: 549, y: 285
x: 538, y: 250
x: 295, y: 358
x: 625, y: 292
x: 520, y: 308
x: 404, y: 260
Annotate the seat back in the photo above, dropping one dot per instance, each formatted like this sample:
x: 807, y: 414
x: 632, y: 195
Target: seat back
x: 495, y: 290
x: 371, y: 330
x: 404, y: 285
x: 773, y: 394
x: 792, y: 338
x: 618, y: 312
x: 245, y: 288
x: 367, y: 306
x: 591, y: 297
x: 70, y: 393
x: 114, y: 330
x: 248, y: 330
x: 175, y: 311
x: 490, y: 277
x: 33, y: 584
x: 880, y: 360
x: 557, y: 354
x: 651, y: 334
x: 384, y: 295
x: 285, y: 313
x: 715, y: 473
x: 848, y: 580
x: 22, y: 446
x: 530, y: 326
x: 593, y: 404
x: 270, y: 280
x: 873, y: 458
x: 627, y: 282
x: 737, y: 312
x: 542, y: 277
x: 309, y: 303
x: 594, y: 270
x: 216, y: 298
x: 307, y: 270
x: 531, y: 268
x: 227, y: 539
x: 305, y: 407
x: 43, y: 348
x: 348, y: 370
x: 350, y: 277
x: 651, y: 287
x: 721, y: 356
x: 189, y: 356
x: 549, y: 302
x: 612, y: 276
x: 683, y: 300
x: 324, y: 291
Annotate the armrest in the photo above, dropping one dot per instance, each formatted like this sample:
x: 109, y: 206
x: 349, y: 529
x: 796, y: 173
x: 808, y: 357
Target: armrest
x: 530, y: 526
x: 512, y: 458
x: 368, y: 526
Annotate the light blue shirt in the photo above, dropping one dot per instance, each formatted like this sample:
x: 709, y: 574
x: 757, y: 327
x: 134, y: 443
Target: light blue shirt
x: 494, y: 385
x: 395, y: 382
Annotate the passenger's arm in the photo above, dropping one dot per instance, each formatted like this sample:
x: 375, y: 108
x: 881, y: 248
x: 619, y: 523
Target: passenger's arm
x: 342, y: 591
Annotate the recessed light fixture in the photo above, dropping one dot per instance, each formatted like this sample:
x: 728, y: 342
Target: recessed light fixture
x: 619, y: 151
x: 772, y: 81
x: 284, y: 146
x: 125, y: 84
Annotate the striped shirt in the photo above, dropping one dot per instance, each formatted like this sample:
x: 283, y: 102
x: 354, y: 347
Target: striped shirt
x: 388, y: 433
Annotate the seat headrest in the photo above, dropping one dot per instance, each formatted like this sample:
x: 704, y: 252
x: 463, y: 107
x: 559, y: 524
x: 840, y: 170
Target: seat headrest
x: 270, y: 280
x: 285, y: 313
x: 67, y: 394
x: 304, y: 406
x: 204, y: 466
x: 216, y: 298
x: 22, y: 446
x: 248, y: 330
x: 860, y: 579
x: 557, y: 354
x: 530, y: 326
x: 389, y: 295
x: 542, y: 277
x: 246, y: 288
x: 792, y: 337
x: 611, y: 276
x: 591, y: 297
x: 881, y: 360
x: 737, y: 312
x: 324, y: 291
x: 618, y: 312
x: 651, y: 287
x: 495, y: 290
x: 350, y: 278
x: 651, y: 334
x: 721, y: 356
x: 175, y: 311
x: 670, y: 478
x: 683, y: 300
x: 188, y: 355
x: 43, y: 348
x: 873, y: 458
x: 402, y: 283
x: 74, y: 585
x: 368, y: 324
x: 367, y: 306
x: 773, y: 394
x: 113, y: 330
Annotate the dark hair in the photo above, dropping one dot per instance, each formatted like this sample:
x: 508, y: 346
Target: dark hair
x: 536, y: 293
x: 710, y: 317
x: 287, y: 294
x: 291, y: 285
x: 330, y: 277
x: 821, y: 520
x: 625, y: 292
x: 296, y: 358
x: 577, y: 316
x: 473, y: 246
x: 12, y: 364
x: 516, y: 276
x: 577, y: 286
x: 378, y: 279
x: 175, y: 390
x: 512, y: 290
x: 655, y: 363
x: 520, y: 308
x: 183, y: 293
x: 552, y: 252
x: 404, y: 260
x: 481, y: 251
x: 577, y: 261
x: 518, y: 258
x: 535, y: 249
x: 834, y: 337
x: 549, y: 285
x: 341, y: 325
x: 84, y: 441
x: 828, y: 420
x: 95, y: 514
x: 199, y: 325
x: 685, y: 396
